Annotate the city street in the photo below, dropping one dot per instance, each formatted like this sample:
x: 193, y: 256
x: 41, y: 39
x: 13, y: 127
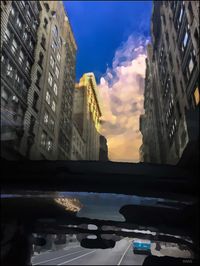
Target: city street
x: 121, y: 254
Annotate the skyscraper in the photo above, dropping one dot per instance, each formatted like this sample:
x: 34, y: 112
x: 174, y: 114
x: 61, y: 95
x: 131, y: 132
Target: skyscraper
x: 175, y: 60
x: 87, y: 113
x: 46, y: 120
x: 20, y: 21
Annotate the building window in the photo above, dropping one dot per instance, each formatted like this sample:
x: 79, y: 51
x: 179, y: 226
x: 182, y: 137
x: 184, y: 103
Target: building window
x: 49, y: 145
x: 45, y: 23
x: 35, y: 101
x: 14, y: 46
x: 191, y: 65
x: 53, y: 106
x: 17, y: 79
x: 196, y: 36
x: 55, y: 32
x: 43, y: 41
x: 57, y: 72
x: 182, y: 89
x: 53, y: 46
x: 28, y: 15
x: 3, y: 59
x: 43, y: 139
x: 41, y: 57
x: 31, y: 45
x: 50, y: 79
x: 185, y: 39
x: 25, y: 36
x: 12, y: 11
x: 58, y: 57
x: 7, y: 35
x: 51, y: 124
x: 46, y: 118
x: 4, y: 97
x: 23, y: 4
x: 55, y: 89
x: 180, y: 15
x: 52, y: 62
x: 28, y: 67
x: 21, y: 57
x: 46, y: 7
x: 38, y: 78
x: 32, y: 124
x: 48, y: 97
x: 9, y: 71
x: 19, y: 23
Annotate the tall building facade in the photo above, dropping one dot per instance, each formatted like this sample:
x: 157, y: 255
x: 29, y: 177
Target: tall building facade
x: 87, y: 114
x: 46, y: 126
x: 175, y: 61
x: 149, y: 122
x: 66, y: 126
x: 19, y: 22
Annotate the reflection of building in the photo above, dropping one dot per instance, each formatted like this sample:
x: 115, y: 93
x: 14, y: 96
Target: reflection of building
x: 175, y: 61
x: 20, y: 20
x: 103, y: 151
x: 87, y: 114
x: 44, y: 81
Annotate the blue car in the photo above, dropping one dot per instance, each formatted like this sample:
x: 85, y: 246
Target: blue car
x: 142, y: 247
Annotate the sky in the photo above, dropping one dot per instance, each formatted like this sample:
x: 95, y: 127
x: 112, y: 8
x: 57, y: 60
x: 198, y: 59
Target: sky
x: 111, y: 37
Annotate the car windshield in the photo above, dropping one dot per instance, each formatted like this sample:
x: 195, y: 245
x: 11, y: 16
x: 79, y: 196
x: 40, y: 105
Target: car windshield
x: 99, y: 132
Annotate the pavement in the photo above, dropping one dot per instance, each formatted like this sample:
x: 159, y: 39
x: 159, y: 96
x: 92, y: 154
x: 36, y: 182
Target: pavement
x: 170, y: 251
x: 121, y: 254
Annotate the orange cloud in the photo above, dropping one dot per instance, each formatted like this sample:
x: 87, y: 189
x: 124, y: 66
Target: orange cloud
x: 121, y: 90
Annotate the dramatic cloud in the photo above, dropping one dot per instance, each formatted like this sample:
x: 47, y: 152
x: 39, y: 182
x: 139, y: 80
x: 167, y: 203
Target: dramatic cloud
x: 121, y: 91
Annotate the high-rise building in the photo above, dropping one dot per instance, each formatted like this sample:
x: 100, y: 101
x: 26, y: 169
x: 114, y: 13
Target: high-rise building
x: 175, y: 61
x: 19, y: 24
x: 103, y: 150
x: 48, y: 103
x: 66, y: 113
x: 87, y: 113
x: 149, y: 122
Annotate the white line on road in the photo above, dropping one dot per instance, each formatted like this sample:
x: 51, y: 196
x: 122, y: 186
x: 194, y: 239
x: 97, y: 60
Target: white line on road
x: 76, y: 258
x: 123, y: 255
x: 57, y: 258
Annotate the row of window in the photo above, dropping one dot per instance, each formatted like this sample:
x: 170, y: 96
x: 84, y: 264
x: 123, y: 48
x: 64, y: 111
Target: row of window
x: 167, y: 87
x: 54, y: 46
x: 12, y: 107
x: 46, y: 142
x: 52, y: 64
x: 172, y: 130
x: 13, y: 74
x: 16, y: 47
x: 170, y: 110
x: 50, y: 81
x: 49, y: 121
x: 28, y: 15
x: 52, y: 103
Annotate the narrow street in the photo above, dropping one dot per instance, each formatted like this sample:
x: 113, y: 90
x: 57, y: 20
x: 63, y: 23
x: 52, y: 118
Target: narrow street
x: 121, y: 254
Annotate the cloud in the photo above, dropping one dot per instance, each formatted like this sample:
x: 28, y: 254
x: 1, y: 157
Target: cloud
x: 121, y: 91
